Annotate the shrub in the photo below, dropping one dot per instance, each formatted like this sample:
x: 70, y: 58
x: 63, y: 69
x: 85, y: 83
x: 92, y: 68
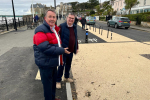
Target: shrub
x: 92, y: 12
x: 148, y: 18
x: 92, y: 15
x: 139, y: 17
x: 101, y: 18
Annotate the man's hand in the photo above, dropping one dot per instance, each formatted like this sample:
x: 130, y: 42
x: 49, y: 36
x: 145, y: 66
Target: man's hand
x: 66, y: 51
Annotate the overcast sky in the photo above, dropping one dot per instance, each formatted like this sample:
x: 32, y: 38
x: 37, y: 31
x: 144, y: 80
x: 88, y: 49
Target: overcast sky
x: 22, y: 7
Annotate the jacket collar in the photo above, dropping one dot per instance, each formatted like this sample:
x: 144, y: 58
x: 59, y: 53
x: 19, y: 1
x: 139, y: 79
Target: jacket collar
x: 56, y: 27
x: 67, y: 25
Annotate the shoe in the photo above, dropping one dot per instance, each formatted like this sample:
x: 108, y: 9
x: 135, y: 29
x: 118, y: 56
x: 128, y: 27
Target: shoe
x: 58, y: 85
x: 68, y: 79
x: 57, y: 99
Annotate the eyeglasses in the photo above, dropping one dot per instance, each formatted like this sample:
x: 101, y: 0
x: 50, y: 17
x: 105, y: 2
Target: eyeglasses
x: 71, y: 18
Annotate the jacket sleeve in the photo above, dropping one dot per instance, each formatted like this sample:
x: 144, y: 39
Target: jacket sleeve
x: 59, y: 30
x: 41, y: 40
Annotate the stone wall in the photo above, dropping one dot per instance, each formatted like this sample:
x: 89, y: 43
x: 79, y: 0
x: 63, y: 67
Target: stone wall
x: 143, y: 24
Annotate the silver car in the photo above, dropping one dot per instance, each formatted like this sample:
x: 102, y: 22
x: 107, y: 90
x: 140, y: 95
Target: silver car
x: 90, y: 20
x: 119, y: 22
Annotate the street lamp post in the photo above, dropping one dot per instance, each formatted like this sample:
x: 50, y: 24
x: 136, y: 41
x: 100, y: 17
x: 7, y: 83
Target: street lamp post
x: 32, y: 11
x: 55, y: 9
x: 15, y: 26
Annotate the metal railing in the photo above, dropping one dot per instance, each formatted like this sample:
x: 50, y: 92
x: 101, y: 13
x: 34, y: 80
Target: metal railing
x: 8, y: 24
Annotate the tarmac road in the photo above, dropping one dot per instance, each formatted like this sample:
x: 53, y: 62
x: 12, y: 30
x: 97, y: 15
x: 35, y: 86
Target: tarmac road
x: 138, y: 35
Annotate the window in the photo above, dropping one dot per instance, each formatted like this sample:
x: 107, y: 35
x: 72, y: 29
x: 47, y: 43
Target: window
x: 144, y: 2
x: 145, y: 10
x: 124, y: 19
x: 141, y: 11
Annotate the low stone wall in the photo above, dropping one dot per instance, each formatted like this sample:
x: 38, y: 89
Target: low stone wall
x: 145, y: 24
x: 133, y: 23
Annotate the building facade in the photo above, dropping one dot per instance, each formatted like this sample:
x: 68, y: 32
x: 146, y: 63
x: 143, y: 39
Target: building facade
x: 63, y: 8
x: 119, y: 6
x: 143, y: 6
x: 39, y: 9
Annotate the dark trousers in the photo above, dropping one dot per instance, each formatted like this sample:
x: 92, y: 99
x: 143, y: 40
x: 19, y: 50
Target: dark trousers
x: 48, y: 78
x: 67, y: 59
x: 83, y: 26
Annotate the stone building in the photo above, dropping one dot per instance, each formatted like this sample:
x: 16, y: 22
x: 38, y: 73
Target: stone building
x: 40, y: 9
x: 63, y: 8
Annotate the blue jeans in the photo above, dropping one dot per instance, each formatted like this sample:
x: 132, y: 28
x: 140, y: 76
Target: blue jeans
x: 67, y: 59
x: 83, y: 26
x: 48, y: 78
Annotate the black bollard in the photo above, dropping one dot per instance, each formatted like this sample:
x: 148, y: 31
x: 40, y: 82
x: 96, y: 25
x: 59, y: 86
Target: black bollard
x: 107, y: 33
x: 18, y: 21
x: 23, y: 22
x: 29, y: 19
x: 95, y: 28
x: 101, y: 30
x: 86, y: 36
x: 26, y: 20
x: 111, y: 33
x: 86, y: 26
x: 6, y: 24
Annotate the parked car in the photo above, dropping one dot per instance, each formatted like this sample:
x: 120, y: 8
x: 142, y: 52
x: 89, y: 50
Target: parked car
x: 79, y: 18
x: 90, y: 20
x: 119, y: 22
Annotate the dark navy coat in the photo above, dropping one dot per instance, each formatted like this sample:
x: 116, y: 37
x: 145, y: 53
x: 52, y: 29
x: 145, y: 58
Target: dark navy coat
x: 65, y: 34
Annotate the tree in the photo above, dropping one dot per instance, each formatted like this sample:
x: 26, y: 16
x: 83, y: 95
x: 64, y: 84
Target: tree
x: 107, y: 8
x: 73, y: 5
x: 130, y: 4
x: 98, y: 9
x: 93, y: 3
x: 92, y: 12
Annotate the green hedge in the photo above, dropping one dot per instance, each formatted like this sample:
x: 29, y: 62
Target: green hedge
x: 139, y: 17
x: 102, y: 18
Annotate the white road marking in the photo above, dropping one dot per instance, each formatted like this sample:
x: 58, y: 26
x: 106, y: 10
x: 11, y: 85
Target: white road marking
x: 68, y: 87
x: 38, y: 77
x: 69, y: 93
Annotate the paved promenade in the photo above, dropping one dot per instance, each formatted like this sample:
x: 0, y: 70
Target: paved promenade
x: 115, y: 70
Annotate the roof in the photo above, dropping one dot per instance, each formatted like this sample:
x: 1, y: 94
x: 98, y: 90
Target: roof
x: 38, y: 5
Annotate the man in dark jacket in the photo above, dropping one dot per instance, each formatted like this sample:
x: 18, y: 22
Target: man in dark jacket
x: 36, y: 18
x: 76, y: 20
x: 68, y: 33
x: 47, y: 51
x: 83, y: 22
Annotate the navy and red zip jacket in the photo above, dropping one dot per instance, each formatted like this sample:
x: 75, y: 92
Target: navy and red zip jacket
x: 46, y: 49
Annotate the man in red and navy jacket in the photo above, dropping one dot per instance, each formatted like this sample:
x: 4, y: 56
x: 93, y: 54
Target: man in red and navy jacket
x: 47, y: 52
